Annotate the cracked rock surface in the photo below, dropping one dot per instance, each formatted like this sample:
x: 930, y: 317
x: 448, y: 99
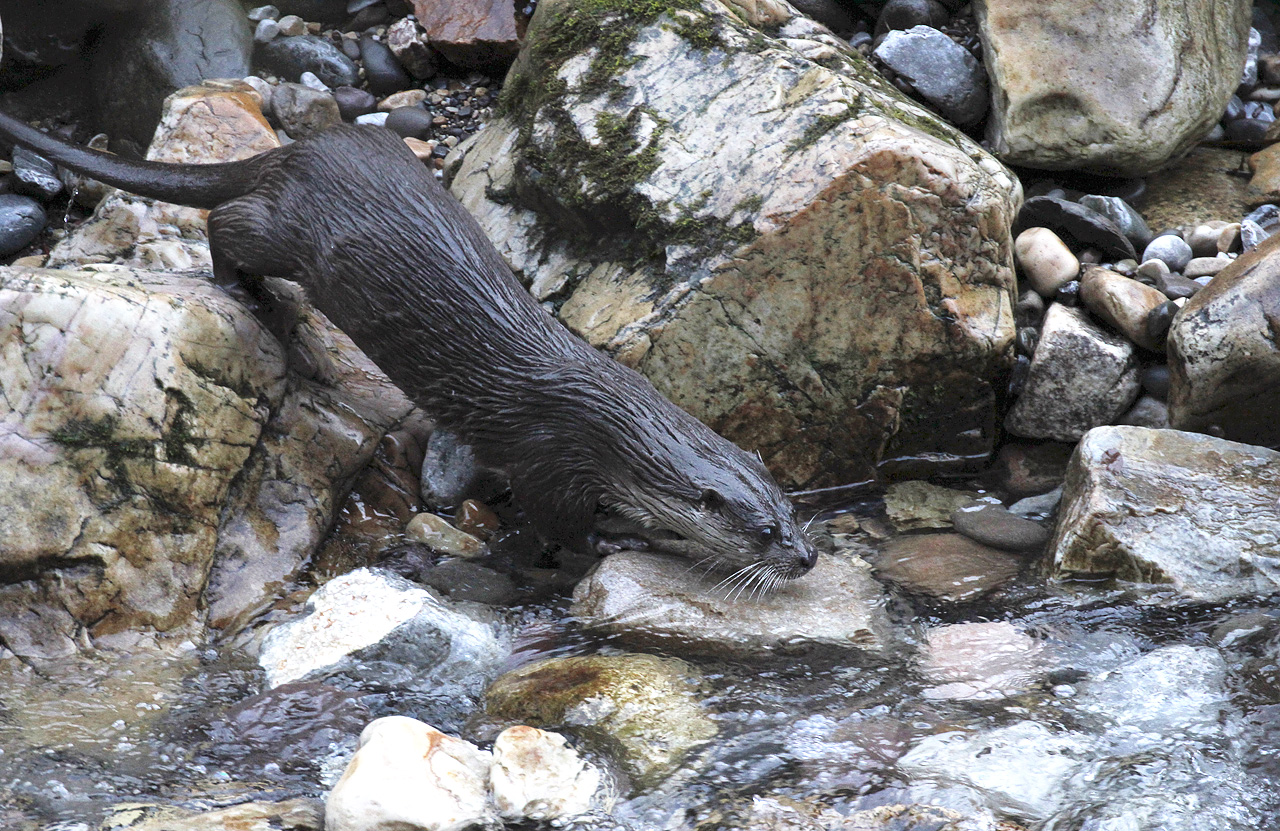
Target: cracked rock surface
x: 790, y: 250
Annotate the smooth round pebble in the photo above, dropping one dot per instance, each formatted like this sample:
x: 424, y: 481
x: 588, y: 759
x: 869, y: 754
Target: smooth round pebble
x: 1170, y: 249
x: 436, y: 533
x: 1147, y: 411
x: 264, y: 13
x: 1174, y: 286
x: 289, y: 57
x: 266, y: 30
x: 21, y: 221
x: 1029, y: 308
x: 1155, y: 380
x: 1045, y: 259
x: 291, y: 25
x: 1151, y: 271
x: 409, y: 122
x: 1028, y: 337
x: 309, y: 79
x: 377, y: 119
x: 353, y: 102
x: 1158, y: 320
x: 1122, y: 302
x: 1229, y: 239
x: 1205, y: 266
x: 995, y: 526
x: 1203, y: 240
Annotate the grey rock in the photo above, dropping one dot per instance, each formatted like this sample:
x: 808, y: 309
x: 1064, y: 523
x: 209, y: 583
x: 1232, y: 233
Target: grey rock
x: 1223, y: 354
x: 353, y: 102
x: 291, y: 25
x: 265, y: 30
x: 904, y: 14
x: 410, y: 122
x: 1147, y: 412
x: 264, y: 13
x: 303, y: 111
x: 171, y: 44
x: 1189, y: 682
x: 1151, y: 272
x: 1205, y: 266
x: 21, y: 221
x: 1155, y: 381
x: 1155, y: 328
x: 1206, y: 525
x: 997, y: 527
x: 449, y: 470
x: 1249, y: 75
x: 940, y: 70
x: 1080, y: 377
x: 1120, y: 212
x: 1170, y: 249
x: 650, y: 598
x: 309, y: 79
x: 1075, y: 221
x: 1175, y: 286
x: 947, y: 566
x: 407, y: 40
x: 464, y: 580
x: 383, y: 71
x: 378, y: 119
x: 1251, y: 234
x: 35, y: 175
x: 292, y: 56
x: 1077, y: 80
x: 1246, y: 130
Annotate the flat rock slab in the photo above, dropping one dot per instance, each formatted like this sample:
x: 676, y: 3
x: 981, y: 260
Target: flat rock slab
x: 946, y: 566
x: 1182, y: 509
x: 658, y: 599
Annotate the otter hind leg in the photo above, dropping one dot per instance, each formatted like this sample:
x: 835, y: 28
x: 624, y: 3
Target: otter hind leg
x: 277, y: 311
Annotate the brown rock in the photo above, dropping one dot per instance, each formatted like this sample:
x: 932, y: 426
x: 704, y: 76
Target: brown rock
x: 1123, y: 303
x: 477, y: 519
x: 480, y: 34
x: 946, y: 566
x: 1265, y: 184
x: 1022, y: 470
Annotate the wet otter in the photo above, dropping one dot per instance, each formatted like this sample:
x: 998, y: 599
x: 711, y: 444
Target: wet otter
x: 400, y: 266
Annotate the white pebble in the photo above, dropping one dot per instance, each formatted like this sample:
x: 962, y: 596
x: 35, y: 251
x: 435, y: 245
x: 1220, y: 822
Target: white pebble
x: 1045, y: 260
x: 292, y: 25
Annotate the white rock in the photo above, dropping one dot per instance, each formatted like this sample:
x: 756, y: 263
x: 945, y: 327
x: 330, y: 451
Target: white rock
x: 364, y: 608
x: 1080, y: 377
x: 537, y: 776
x: 1195, y: 513
x: 650, y: 597
x: 408, y: 776
x: 1046, y: 260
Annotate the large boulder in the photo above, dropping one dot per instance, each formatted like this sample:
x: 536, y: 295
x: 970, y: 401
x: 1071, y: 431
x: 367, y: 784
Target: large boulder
x: 1116, y: 88
x: 162, y: 454
x: 789, y: 249
x: 1224, y: 361
x: 1191, y: 512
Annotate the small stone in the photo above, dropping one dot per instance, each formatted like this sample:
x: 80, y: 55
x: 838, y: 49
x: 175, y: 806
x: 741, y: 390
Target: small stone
x: 409, y: 122
x: 303, y: 111
x: 353, y: 102
x: 1147, y: 412
x: 1046, y: 260
x: 376, y: 119
x: 477, y: 519
x: 407, y: 98
x: 408, y: 775
x: 1155, y: 381
x: 289, y: 57
x: 1174, y: 286
x: 995, y: 526
x: 940, y: 70
x: 537, y: 776
x: 1203, y: 240
x: 35, y: 175
x: 420, y: 148
x: 1068, y: 294
x: 1029, y: 308
x: 947, y: 566
x: 1151, y: 272
x: 1027, y: 338
x: 21, y: 221
x: 264, y: 90
x: 1158, y: 321
x: 1247, y: 130
x: 1120, y: 212
x: 291, y: 25
x: 1022, y: 469
x: 1251, y: 235
x: 309, y: 79
x: 913, y: 504
x: 408, y: 42
x: 1040, y: 506
x: 383, y: 71
x: 1229, y: 239
x: 905, y: 14
x: 436, y: 533
x: 1074, y: 221
x: 266, y: 30
x: 1123, y: 303
x: 1126, y: 267
x: 1205, y: 266
x: 264, y: 13
x: 1172, y: 250
x: 467, y: 580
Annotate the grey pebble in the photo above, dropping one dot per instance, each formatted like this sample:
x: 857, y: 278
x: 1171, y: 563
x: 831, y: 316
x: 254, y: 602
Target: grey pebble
x: 289, y: 57
x: 1040, y: 505
x: 291, y: 25
x: 1251, y: 235
x: 996, y: 526
x: 1158, y: 320
x: 1175, y: 286
x: 1155, y: 380
x: 1172, y: 250
x: 21, y: 221
x: 382, y: 70
x: 36, y: 176
x: 353, y: 103
x: 376, y: 119
x: 409, y: 122
x: 904, y: 14
x: 266, y: 30
x: 463, y: 580
x: 1128, y: 220
x: 264, y: 13
x: 941, y: 71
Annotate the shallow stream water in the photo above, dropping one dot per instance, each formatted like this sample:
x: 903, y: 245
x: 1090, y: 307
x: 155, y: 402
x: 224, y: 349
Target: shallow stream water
x: 1129, y: 713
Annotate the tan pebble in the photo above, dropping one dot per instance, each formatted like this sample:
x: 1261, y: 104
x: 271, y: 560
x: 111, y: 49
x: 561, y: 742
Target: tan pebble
x: 439, y: 535
x: 419, y: 147
x: 1229, y: 239
x: 1203, y: 240
x: 1045, y: 260
x: 1123, y: 303
x: 32, y: 261
x: 477, y: 519
x: 1205, y: 267
x: 406, y: 98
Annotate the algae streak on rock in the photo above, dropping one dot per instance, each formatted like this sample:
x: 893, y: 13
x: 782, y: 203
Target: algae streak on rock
x: 789, y: 207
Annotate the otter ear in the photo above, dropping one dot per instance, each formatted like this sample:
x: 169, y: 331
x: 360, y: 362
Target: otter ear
x: 711, y: 500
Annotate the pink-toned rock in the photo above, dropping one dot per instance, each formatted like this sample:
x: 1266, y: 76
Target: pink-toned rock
x: 1122, y: 302
x: 474, y: 33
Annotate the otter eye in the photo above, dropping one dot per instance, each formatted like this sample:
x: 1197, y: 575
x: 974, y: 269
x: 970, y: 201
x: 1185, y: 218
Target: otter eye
x: 769, y: 533
x: 711, y: 500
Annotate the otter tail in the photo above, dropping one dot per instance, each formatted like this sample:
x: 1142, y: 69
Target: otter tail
x: 196, y: 185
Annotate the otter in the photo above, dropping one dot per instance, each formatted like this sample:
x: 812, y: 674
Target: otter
x: 379, y: 246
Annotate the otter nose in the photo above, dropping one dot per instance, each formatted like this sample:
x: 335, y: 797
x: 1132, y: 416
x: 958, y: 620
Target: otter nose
x: 809, y: 556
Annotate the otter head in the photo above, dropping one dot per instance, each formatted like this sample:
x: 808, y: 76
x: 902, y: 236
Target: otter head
x: 728, y: 511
